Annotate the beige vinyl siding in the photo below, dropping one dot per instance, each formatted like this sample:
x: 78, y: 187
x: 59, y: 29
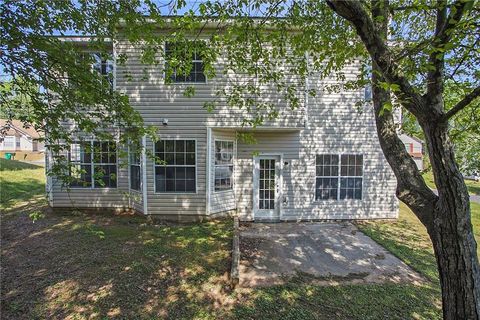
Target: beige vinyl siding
x: 136, y: 200
x: 329, y: 123
x: 156, y: 101
x: 150, y: 95
x: 221, y: 201
x: 334, y: 125
x: 187, y: 119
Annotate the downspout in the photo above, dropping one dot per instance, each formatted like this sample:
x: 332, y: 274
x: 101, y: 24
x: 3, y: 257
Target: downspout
x: 144, y: 174
x: 208, y: 164
x: 307, y: 89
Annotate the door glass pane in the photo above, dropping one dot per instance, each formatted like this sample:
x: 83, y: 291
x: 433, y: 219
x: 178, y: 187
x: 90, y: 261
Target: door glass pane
x: 266, y: 191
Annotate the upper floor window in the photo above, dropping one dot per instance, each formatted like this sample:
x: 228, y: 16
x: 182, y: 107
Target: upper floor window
x: 93, y: 164
x: 97, y: 63
x: 103, y: 66
x: 223, y: 165
x: 339, y: 177
x: 175, y: 166
x: 184, y: 62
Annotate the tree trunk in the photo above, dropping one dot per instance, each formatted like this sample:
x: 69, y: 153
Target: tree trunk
x: 451, y: 231
x: 446, y: 216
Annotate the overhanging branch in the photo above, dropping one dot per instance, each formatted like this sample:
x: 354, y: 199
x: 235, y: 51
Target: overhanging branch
x: 463, y: 103
x: 443, y: 34
x: 355, y: 13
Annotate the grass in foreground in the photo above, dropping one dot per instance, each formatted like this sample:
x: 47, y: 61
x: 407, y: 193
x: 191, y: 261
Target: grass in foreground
x: 20, y: 183
x: 472, y: 186
x: 104, y: 267
x: 407, y: 238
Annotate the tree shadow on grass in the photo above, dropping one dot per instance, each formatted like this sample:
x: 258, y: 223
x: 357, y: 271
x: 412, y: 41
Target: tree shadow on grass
x: 98, y: 266
x: 24, y: 190
x: 299, y: 300
x: 79, y: 266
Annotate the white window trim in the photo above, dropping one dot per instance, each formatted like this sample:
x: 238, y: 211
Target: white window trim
x: 182, y: 82
x: 224, y: 165
x: 129, y: 172
x: 339, y: 176
x: 92, y: 187
x: 196, y: 168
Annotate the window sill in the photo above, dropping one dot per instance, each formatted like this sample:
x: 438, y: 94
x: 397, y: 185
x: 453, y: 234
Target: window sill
x: 185, y: 83
x: 337, y: 201
x: 174, y: 193
x: 91, y: 188
x: 222, y: 191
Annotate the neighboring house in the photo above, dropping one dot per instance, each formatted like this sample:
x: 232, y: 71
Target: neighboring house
x: 16, y: 137
x: 414, y: 147
x: 320, y: 161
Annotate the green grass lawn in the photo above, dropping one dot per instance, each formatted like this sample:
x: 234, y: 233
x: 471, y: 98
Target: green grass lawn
x: 473, y: 186
x: 79, y: 266
x: 407, y: 238
x: 21, y: 183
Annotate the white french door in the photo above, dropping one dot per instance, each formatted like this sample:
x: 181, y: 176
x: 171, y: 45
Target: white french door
x: 266, y: 187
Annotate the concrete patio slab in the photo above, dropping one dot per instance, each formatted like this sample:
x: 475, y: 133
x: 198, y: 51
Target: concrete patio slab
x: 328, y: 253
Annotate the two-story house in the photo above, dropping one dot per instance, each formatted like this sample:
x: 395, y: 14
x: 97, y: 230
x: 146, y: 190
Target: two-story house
x: 319, y: 161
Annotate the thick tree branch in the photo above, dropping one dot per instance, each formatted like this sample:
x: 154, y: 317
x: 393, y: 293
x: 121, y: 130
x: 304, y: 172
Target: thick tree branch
x: 463, y: 103
x: 443, y: 34
x: 411, y: 187
x: 437, y: 59
x: 356, y: 13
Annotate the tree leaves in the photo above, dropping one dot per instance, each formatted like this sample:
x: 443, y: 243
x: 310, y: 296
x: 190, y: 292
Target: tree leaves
x: 273, y: 45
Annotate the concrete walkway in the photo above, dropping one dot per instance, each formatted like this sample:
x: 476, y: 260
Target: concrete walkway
x: 329, y: 253
x: 473, y: 197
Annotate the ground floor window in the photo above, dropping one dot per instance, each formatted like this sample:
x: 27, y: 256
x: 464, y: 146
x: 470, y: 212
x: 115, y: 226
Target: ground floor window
x: 338, y: 177
x: 223, y: 165
x: 93, y: 164
x: 175, y: 166
x: 134, y: 154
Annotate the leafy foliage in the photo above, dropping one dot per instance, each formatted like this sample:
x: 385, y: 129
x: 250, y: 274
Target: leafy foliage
x: 464, y: 128
x: 275, y: 44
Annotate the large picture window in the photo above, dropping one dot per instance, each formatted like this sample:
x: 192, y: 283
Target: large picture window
x: 135, y: 167
x: 339, y: 177
x: 175, y: 166
x: 184, y: 63
x: 93, y: 164
x: 223, y: 165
